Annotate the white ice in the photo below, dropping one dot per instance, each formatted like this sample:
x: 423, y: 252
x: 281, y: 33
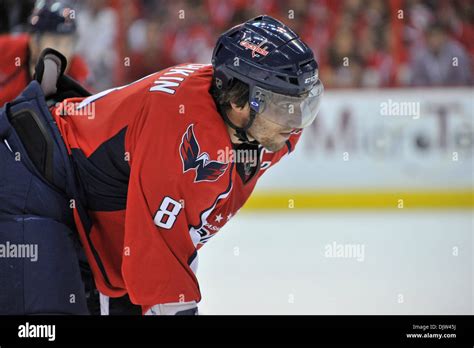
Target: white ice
x: 414, y: 262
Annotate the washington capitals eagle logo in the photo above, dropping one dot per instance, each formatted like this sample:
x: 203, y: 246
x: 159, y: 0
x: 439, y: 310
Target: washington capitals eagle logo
x: 206, y: 169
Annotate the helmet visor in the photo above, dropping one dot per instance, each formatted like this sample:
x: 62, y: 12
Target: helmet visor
x: 288, y: 111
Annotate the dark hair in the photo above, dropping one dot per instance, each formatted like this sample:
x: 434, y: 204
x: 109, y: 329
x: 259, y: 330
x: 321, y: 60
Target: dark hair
x: 237, y: 93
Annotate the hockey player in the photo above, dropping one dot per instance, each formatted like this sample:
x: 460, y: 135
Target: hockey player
x: 153, y: 185
x: 50, y: 25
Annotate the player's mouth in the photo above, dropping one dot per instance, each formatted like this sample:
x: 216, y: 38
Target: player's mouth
x: 285, y: 134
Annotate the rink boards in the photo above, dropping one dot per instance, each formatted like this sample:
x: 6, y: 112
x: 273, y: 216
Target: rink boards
x: 391, y: 148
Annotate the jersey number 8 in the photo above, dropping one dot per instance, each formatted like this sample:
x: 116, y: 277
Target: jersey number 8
x: 165, y: 218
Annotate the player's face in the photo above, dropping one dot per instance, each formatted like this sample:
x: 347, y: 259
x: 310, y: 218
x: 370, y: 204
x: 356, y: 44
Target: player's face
x: 62, y: 43
x: 272, y: 136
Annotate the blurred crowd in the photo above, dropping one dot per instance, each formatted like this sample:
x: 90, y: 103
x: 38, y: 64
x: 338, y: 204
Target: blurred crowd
x: 358, y: 43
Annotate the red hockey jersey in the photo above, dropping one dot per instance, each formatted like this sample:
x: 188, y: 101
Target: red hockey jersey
x: 159, y: 181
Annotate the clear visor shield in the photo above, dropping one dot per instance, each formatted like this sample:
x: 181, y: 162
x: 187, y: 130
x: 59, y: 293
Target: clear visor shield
x: 288, y: 111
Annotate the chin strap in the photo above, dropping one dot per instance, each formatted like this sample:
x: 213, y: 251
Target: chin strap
x: 240, y: 132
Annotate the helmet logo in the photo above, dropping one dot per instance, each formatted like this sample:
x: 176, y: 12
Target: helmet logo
x: 256, y: 49
x: 310, y: 79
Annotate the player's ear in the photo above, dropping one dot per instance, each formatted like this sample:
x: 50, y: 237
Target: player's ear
x: 240, y: 109
x: 240, y: 114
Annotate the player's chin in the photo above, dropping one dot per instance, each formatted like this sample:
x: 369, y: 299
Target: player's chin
x: 274, y: 145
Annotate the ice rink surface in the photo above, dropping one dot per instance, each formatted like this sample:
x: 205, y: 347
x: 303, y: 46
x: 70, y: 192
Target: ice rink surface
x: 408, y: 262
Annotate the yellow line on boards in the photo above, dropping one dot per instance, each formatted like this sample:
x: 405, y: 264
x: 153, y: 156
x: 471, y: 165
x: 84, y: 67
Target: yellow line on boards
x: 262, y: 200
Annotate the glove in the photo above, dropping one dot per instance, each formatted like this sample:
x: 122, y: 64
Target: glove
x: 56, y: 86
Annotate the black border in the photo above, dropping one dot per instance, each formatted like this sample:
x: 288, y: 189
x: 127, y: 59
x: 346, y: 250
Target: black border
x: 243, y: 330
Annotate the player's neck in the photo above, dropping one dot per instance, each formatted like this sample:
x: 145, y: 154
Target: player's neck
x: 233, y: 137
x: 239, y: 117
